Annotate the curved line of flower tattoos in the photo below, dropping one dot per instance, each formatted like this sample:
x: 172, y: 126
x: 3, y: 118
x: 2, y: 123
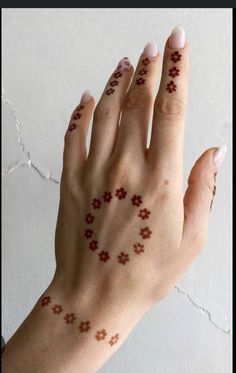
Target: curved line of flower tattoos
x: 173, y: 72
x: 123, y: 66
x: 75, y: 117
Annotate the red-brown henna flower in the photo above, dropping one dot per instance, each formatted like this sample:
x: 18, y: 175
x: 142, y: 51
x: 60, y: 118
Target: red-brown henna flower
x: 176, y: 56
x: 171, y: 87
x: 80, y: 107
x: 110, y: 91
x: 121, y: 193
x: 114, y: 83
x: 69, y: 318
x: 88, y: 233
x: 145, y: 61
x: 138, y: 248
x: 123, y: 258
x: 104, y: 256
x: 72, y: 127
x: 145, y: 232
x: 45, y: 301
x: 84, y: 326
x: 93, y: 245
x: 173, y: 72
x: 107, y: 196
x: 96, y: 203
x: 117, y: 74
x: 89, y: 218
x: 144, y: 214
x: 140, y: 81
x: 101, y: 334
x: 57, y: 309
x: 136, y: 200
x: 114, y: 339
x: 142, y: 72
x: 77, y: 116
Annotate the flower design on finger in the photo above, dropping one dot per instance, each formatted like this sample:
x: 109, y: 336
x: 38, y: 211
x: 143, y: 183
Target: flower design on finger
x: 45, y: 301
x: 142, y: 72
x: 88, y: 233
x: 93, y: 245
x: 84, y: 326
x: 146, y: 61
x: 107, y: 196
x: 69, y: 318
x: 140, y: 81
x: 104, y: 256
x: 96, y: 203
x: 114, y: 339
x: 114, y: 83
x: 110, y: 91
x: 145, y: 232
x: 57, y: 308
x: 123, y: 258
x: 101, y: 334
x: 117, y: 74
x: 173, y: 72
x: 176, y: 56
x: 144, y: 214
x: 89, y: 218
x: 77, y: 116
x: 72, y: 127
x: 138, y: 248
x: 171, y: 87
x: 136, y: 200
x: 80, y: 107
x: 121, y: 193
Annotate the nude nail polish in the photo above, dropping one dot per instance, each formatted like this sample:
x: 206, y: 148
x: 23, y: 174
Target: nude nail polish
x: 177, y: 38
x: 150, y: 50
x: 86, y: 96
x: 219, y: 156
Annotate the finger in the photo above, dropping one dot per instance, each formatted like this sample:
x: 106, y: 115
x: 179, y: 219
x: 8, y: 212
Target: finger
x: 169, y: 110
x: 107, y: 113
x: 138, y: 103
x: 199, y: 197
x: 75, y: 153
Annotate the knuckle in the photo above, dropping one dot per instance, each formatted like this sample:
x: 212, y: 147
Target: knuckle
x: 103, y: 112
x: 137, y: 100
x: 168, y: 108
x: 120, y: 170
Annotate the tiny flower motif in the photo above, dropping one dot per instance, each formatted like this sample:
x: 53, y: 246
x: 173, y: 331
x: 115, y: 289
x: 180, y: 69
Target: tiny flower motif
x: 114, y: 339
x: 114, y: 83
x: 93, y: 245
x: 176, y: 56
x: 214, y: 190
x: 123, y: 258
x: 101, y: 334
x: 57, y: 309
x: 45, y: 301
x: 107, y: 196
x: 110, y: 91
x: 138, y: 248
x: 140, y: 81
x: 80, y: 107
x: 72, y: 127
x: 117, y: 74
x: 173, y: 72
x: 77, y: 116
x: 84, y: 326
x: 136, y: 200
x: 145, y: 61
x: 171, y: 87
x: 88, y: 233
x: 89, y: 218
x: 69, y: 318
x: 145, y: 233
x: 121, y: 193
x: 96, y: 203
x: 104, y: 256
x: 142, y: 72
x: 144, y: 214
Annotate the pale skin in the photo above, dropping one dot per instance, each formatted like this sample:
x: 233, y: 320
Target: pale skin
x: 105, y: 295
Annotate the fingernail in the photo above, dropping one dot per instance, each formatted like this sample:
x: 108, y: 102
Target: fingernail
x: 150, y: 50
x: 219, y: 156
x: 86, y: 96
x: 124, y: 65
x: 177, y: 38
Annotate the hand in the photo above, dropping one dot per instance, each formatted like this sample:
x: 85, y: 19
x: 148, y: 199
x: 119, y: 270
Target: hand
x: 125, y: 234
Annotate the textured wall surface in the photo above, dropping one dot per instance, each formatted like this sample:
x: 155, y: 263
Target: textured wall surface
x: 49, y: 58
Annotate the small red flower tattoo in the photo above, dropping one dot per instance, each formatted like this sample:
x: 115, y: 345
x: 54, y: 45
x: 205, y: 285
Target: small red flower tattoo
x: 104, y: 256
x: 176, y: 56
x: 138, y: 248
x: 145, y: 232
x: 173, y: 72
x: 72, y: 127
x: 144, y: 214
x: 110, y: 91
x: 114, y: 339
x: 96, y: 203
x: 136, y: 200
x: 140, y: 81
x: 77, y: 116
x: 145, y: 61
x: 142, y: 72
x: 123, y: 258
x: 69, y: 318
x: 101, y: 334
x: 84, y: 326
x: 89, y: 218
x: 107, y: 196
x: 93, y: 245
x: 45, y: 301
x: 88, y: 233
x: 117, y: 74
x: 57, y: 309
x: 171, y: 87
x: 80, y: 107
x: 121, y: 193
x: 114, y: 83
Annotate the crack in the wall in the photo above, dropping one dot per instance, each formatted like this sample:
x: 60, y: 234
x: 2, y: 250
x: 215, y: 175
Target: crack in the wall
x: 204, y: 310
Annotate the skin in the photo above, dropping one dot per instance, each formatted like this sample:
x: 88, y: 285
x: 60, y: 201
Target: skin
x: 111, y: 295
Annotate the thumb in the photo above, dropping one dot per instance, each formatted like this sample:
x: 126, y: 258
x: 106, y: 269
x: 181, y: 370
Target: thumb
x: 199, y: 196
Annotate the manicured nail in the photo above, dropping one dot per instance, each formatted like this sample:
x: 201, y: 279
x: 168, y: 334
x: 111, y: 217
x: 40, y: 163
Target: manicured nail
x: 86, y: 96
x: 150, y: 50
x: 124, y: 65
x: 219, y: 156
x: 177, y: 38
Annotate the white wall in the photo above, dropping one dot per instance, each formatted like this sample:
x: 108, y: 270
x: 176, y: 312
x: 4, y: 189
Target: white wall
x: 49, y: 57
